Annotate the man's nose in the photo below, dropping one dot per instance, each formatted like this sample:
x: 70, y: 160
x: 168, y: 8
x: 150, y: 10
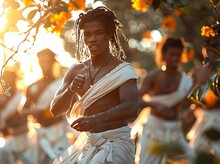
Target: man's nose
x: 92, y: 38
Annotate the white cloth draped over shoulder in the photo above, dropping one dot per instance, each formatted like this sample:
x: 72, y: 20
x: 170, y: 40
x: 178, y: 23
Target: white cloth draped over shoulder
x: 175, y: 97
x: 47, y: 95
x: 82, y: 147
x: 157, y: 129
x: 108, y: 83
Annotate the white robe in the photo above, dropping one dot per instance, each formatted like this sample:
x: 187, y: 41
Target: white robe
x: 117, y: 145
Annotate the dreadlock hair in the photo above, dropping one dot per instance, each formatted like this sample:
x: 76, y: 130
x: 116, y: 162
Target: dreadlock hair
x: 165, y: 44
x: 111, y: 24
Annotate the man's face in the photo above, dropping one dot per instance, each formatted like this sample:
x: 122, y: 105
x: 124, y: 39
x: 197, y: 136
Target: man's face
x: 96, y: 38
x: 46, y: 64
x: 172, y: 57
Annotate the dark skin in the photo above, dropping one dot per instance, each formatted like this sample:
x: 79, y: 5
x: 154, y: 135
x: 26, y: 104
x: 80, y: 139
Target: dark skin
x: 163, y: 82
x: 43, y: 116
x: 111, y: 111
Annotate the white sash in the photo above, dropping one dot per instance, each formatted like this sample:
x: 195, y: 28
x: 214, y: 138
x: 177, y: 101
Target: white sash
x: 175, y: 97
x: 47, y: 95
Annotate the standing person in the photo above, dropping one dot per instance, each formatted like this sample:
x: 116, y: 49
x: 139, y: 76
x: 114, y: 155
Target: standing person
x: 51, y: 134
x: 208, y: 116
x: 13, y: 125
x: 100, y: 94
x: 168, y: 87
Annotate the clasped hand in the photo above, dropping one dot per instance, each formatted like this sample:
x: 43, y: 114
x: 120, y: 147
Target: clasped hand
x: 85, y: 123
x: 79, y: 84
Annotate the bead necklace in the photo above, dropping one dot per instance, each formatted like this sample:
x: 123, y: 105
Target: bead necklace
x: 90, y: 74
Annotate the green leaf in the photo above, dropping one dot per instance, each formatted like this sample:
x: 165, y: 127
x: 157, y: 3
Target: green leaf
x: 32, y: 14
x: 214, y: 84
x: 195, y: 96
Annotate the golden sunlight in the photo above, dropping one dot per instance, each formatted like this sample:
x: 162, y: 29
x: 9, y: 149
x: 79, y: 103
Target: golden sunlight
x: 26, y: 64
x: 3, y: 21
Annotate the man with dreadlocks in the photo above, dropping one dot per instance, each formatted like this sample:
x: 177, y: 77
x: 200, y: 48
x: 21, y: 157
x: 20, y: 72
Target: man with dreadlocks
x: 99, y: 95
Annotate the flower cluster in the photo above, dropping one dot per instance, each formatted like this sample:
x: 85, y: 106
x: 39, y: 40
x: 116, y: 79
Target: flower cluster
x: 57, y: 21
x: 141, y: 5
x: 207, y: 31
x: 53, y: 13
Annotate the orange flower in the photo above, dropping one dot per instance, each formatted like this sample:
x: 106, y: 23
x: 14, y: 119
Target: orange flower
x: 140, y: 5
x: 207, y: 31
x: 58, y: 20
x: 169, y: 22
x: 210, y: 98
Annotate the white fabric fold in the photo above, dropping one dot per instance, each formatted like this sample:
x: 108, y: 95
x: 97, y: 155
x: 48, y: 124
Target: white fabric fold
x: 47, y: 95
x: 53, y: 139
x: 102, y: 143
x: 119, y: 75
x: 175, y: 97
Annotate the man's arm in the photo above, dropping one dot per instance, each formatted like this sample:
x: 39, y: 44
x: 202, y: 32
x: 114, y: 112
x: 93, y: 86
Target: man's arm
x: 30, y: 98
x: 125, y: 112
x: 63, y: 97
x: 74, y: 84
x: 144, y: 89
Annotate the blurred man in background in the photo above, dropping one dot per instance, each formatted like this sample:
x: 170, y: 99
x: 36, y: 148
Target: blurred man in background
x: 51, y: 131
x: 165, y: 90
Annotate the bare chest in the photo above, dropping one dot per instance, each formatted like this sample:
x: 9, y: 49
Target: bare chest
x: 166, y: 84
x: 104, y: 103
